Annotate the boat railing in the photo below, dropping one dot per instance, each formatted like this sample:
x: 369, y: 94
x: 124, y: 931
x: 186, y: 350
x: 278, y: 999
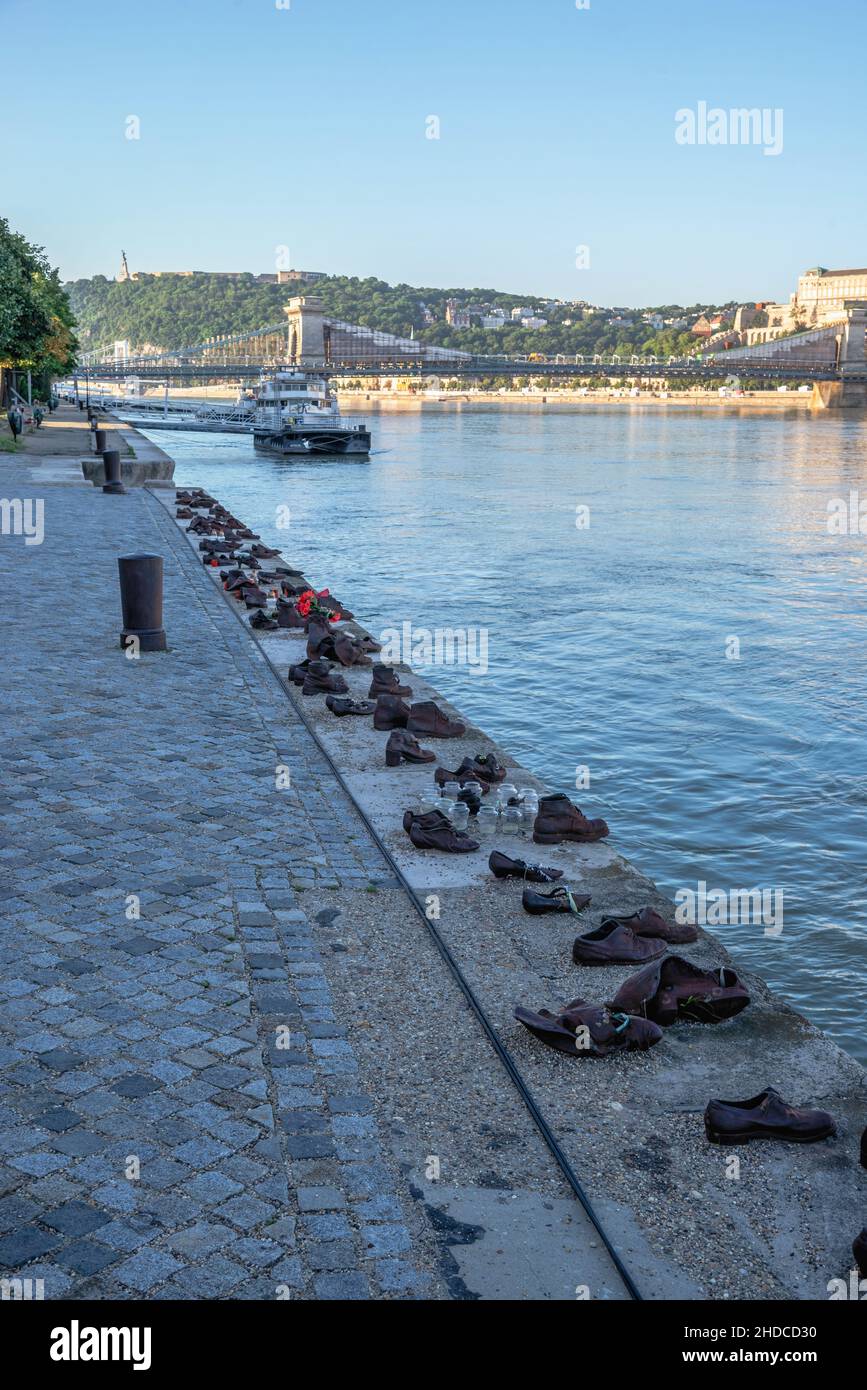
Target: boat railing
x: 275, y: 420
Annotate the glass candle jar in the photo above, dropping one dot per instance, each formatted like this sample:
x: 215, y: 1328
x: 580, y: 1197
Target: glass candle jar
x: 474, y: 788
x: 486, y: 822
x: 459, y: 815
x: 452, y: 790
x: 505, y: 792
x: 427, y: 802
x: 529, y: 801
x: 511, y: 820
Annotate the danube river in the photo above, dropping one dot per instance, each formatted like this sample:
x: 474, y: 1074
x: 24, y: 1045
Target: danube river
x: 664, y: 605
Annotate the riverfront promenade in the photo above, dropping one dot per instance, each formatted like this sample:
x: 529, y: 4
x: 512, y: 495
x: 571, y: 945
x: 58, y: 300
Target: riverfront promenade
x: 172, y: 918
x: 153, y: 1041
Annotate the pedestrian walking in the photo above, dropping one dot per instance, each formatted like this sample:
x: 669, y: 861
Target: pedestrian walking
x: 16, y: 421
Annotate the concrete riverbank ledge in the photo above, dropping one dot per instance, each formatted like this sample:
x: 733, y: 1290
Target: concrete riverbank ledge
x: 142, y: 464
x: 687, y: 1220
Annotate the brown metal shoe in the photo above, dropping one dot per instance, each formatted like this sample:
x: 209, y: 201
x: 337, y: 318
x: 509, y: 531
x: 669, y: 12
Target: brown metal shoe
x: 320, y: 639
x: 613, y: 944
x: 442, y: 775
x: 484, y: 768
x: 403, y: 748
x: 288, y: 615
x: 390, y: 713
x: 385, y: 681
x: 766, y: 1116
x: 559, y: 819
x: 673, y: 989
x: 262, y: 621
x: 428, y: 720
x: 348, y: 651
x: 341, y: 706
x: 589, y: 1030
x: 650, y: 923
x: 560, y: 899
x: 320, y: 680
x: 435, y: 831
x: 298, y: 672
x: 502, y: 866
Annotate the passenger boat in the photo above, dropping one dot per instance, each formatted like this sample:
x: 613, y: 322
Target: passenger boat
x: 297, y: 413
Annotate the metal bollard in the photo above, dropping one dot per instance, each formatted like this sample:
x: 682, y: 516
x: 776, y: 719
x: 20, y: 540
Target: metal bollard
x: 111, y: 464
x: 141, y: 597
x: 100, y: 440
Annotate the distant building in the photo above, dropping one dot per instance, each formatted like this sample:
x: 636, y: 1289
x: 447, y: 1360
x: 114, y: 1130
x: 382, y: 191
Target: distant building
x: 702, y: 327
x: 821, y: 294
x: 496, y: 319
x: 291, y: 277
x: 533, y: 321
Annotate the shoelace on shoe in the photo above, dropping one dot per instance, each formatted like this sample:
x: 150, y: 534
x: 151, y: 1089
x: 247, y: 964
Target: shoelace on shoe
x: 567, y: 894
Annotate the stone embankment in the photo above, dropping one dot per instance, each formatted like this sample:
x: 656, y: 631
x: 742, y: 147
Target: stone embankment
x: 386, y: 1152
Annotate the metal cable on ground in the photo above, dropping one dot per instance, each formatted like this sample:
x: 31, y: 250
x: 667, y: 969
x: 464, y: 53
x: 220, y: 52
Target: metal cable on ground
x: 466, y: 988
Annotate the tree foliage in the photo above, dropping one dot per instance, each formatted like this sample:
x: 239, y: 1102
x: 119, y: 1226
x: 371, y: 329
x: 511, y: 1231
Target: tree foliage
x: 36, y: 322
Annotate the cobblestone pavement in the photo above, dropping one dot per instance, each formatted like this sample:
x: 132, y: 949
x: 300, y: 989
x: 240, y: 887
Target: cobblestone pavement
x: 180, y: 1113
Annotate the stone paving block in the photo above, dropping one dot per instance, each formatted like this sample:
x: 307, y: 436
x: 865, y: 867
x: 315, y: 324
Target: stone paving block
x: 75, y: 1219
x: 245, y: 1211
x: 331, y: 1254
x: 342, y: 1287
x: 321, y: 1199
x: 25, y: 1243
x: 86, y: 1256
x: 147, y: 1268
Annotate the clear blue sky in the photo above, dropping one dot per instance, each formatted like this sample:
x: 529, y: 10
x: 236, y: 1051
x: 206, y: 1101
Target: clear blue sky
x: 305, y: 127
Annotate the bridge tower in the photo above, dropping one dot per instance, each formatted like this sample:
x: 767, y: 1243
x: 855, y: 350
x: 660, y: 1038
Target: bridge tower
x: 850, y: 392
x: 306, y: 331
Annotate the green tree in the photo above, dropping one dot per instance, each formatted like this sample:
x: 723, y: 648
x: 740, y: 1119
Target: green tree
x: 36, y: 323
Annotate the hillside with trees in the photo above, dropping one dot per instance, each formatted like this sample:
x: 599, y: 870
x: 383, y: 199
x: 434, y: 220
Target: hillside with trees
x: 174, y: 311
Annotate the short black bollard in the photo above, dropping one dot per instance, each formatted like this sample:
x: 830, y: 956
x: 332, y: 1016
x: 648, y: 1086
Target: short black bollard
x: 111, y: 464
x: 100, y: 440
x: 141, y: 597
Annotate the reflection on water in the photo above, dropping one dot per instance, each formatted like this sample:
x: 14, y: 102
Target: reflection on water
x: 608, y: 644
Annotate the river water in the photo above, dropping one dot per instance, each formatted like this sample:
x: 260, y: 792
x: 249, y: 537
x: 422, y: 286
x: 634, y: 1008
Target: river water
x: 696, y: 639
